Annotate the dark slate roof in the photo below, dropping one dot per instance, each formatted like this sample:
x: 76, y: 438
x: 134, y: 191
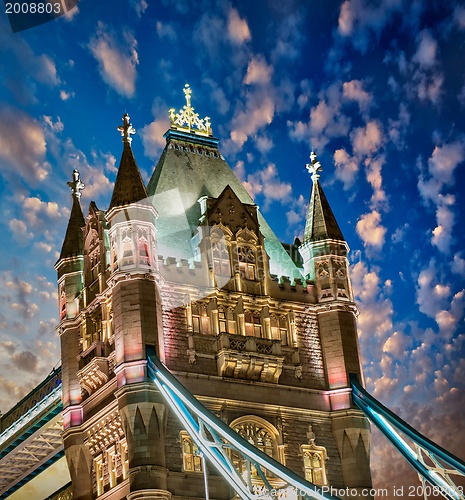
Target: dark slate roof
x: 73, y: 243
x: 187, y: 170
x: 129, y: 186
x: 321, y: 223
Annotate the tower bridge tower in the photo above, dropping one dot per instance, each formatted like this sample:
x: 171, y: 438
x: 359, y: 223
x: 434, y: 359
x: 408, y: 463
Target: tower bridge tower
x: 188, y: 266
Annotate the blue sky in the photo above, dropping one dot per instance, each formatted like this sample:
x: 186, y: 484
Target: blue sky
x: 376, y: 88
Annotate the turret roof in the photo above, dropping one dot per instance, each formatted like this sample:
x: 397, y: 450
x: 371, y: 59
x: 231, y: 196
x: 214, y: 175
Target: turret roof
x: 320, y: 223
x: 73, y: 243
x: 129, y: 186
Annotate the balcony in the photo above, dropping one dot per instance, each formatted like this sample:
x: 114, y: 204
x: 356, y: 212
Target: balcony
x: 239, y: 357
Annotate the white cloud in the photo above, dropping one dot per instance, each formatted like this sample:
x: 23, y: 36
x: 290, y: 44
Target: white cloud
x: 238, y: 29
x: 371, y: 231
x: 258, y: 71
x: 326, y: 120
x: 346, y: 167
x: 427, y: 48
x: 376, y: 309
x: 22, y: 145
x: 361, y: 20
x: 374, y: 177
x: 265, y: 182
x: 458, y: 265
x: 64, y: 95
x: 367, y: 140
x: 117, y: 57
x: 152, y: 137
x: 441, y: 168
x: 354, y: 91
x: 140, y: 6
x: 259, y: 111
x: 166, y: 30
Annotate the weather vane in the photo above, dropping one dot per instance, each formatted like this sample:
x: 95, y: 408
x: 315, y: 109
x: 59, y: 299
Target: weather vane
x: 187, y: 120
x: 314, y: 167
x: 76, y: 185
x: 127, y: 129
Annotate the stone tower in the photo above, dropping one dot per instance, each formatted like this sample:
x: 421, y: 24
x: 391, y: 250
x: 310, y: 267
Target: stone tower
x: 189, y: 266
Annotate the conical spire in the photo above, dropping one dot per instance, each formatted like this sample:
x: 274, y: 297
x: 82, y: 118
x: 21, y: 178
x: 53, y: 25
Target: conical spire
x: 73, y: 243
x: 129, y: 186
x: 321, y: 223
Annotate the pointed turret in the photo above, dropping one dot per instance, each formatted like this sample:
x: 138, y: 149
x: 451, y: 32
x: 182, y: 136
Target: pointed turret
x: 324, y: 250
x: 321, y: 223
x: 73, y: 242
x: 129, y: 186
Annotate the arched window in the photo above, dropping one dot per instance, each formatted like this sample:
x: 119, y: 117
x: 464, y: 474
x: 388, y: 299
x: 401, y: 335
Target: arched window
x: 253, y: 324
x: 62, y: 305
x: 247, y: 262
x: 221, y: 264
x: 314, y: 458
x: 279, y: 328
x: 191, y: 459
x: 200, y: 319
x: 261, y: 434
x: 226, y: 321
x: 143, y: 247
x: 128, y: 251
x: 314, y: 467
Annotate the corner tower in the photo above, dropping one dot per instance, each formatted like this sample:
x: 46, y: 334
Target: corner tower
x: 325, y: 258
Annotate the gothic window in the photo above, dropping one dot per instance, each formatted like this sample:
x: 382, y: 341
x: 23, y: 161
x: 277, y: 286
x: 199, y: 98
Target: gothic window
x: 191, y: 459
x: 62, y: 305
x: 259, y: 433
x: 253, y: 324
x: 128, y: 252
x: 247, y: 262
x: 94, y: 265
x: 124, y: 457
x: 221, y: 265
x: 279, y: 328
x: 143, y: 246
x: 227, y: 322
x: 98, y: 470
x: 200, y: 319
x: 114, y: 253
x: 314, y: 464
x: 112, y: 472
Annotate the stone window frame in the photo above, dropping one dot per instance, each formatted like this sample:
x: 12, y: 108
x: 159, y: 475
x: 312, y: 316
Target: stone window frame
x: 312, y: 450
x: 271, y: 430
x: 191, y: 456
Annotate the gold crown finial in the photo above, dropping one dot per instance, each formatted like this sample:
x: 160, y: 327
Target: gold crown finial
x: 127, y: 129
x: 186, y: 120
x: 314, y: 167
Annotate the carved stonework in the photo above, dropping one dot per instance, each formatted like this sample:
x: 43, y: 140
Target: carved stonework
x: 249, y: 358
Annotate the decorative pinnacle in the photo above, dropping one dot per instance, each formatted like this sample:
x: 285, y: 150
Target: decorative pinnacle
x: 76, y: 186
x: 187, y: 120
x: 314, y: 167
x: 187, y: 93
x: 127, y: 129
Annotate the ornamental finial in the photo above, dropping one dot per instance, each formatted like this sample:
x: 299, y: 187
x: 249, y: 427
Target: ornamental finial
x: 76, y: 185
x: 187, y: 120
x: 314, y: 167
x: 127, y: 129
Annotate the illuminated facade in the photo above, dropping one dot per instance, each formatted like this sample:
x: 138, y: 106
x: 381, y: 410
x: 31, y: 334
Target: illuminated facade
x: 188, y: 265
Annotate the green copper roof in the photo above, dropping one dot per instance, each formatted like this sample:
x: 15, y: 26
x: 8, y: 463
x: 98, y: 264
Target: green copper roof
x: 321, y: 223
x: 186, y: 171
